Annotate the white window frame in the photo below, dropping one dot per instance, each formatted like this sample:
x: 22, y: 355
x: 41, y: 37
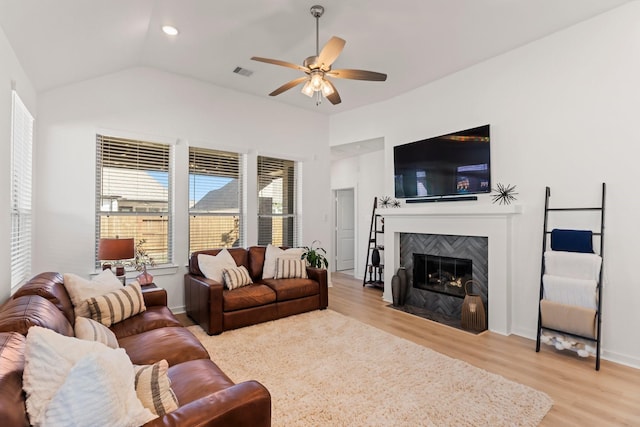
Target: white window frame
x: 21, y: 190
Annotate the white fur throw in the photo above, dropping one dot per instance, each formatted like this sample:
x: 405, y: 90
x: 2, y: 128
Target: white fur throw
x: 69, y: 381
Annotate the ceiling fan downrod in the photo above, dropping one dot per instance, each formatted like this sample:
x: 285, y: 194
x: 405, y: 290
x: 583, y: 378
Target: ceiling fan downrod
x: 316, y: 12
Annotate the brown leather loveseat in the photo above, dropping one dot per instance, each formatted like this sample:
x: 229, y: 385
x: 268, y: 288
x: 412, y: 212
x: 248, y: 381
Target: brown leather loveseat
x: 206, y: 396
x: 217, y: 309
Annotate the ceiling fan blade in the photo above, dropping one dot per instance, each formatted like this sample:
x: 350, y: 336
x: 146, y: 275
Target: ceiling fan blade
x: 281, y: 63
x: 358, y: 75
x: 288, y: 85
x: 334, y: 98
x: 330, y: 52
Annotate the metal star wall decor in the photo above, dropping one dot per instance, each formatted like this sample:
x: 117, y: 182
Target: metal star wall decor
x: 505, y: 194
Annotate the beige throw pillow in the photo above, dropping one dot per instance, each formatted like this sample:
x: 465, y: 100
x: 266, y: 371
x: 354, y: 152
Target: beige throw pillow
x: 153, y: 388
x: 90, y: 330
x: 118, y: 305
x: 81, y: 289
x: 236, y: 277
x: 289, y: 268
x: 213, y: 265
x: 272, y: 253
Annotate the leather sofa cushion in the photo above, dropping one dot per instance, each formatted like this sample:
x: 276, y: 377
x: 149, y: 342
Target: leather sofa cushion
x: 12, y: 409
x: 287, y: 289
x: 256, y: 261
x: 174, y: 344
x: 49, y: 285
x: 21, y: 313
x: 247, y: 296
x: 152, y: 318
x: 210, y: 379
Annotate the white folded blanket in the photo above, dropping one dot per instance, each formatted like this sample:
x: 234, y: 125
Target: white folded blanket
x: 572, y: 264
x: 570, y: 291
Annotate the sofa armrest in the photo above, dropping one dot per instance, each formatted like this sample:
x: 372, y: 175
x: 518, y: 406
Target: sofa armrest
x: 320, y: 276
x: 154, y: 296
x: 203, y: 302
x: 245, y: 404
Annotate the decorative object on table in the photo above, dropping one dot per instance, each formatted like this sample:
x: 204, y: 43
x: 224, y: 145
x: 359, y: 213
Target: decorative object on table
x: 388, y: 202
x: 404, y: 290
x: 505, y: 194
x: 142, y: 259
x: 375, y: 257
x: 395, y: 290
x: 315, y: 256
x: 473, y: 314
x: 117, y: 250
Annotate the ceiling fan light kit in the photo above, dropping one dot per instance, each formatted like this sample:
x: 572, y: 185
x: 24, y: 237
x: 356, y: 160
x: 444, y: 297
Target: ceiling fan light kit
x: 318, y: 67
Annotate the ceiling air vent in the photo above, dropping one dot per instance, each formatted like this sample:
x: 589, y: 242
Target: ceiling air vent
x: 243, y: 71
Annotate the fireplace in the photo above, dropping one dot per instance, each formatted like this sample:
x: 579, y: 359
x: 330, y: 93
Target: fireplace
x: 492, y: 223
x: 442, y: 274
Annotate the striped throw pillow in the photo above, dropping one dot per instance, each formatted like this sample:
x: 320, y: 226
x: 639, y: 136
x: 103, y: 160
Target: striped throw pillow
x: 289, y: 268
x: 153, y: 388
x: 236, y: 277
x: 90, y: 330
x: 118, y: 305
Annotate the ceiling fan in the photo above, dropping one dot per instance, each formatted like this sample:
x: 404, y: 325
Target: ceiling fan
x: 318, y: 68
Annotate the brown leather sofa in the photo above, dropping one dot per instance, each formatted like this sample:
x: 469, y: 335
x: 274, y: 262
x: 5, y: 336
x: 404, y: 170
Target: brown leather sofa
x: 217, y: 309
x: 206, y: 396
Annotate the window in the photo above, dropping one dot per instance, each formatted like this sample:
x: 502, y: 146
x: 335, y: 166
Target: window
x: 21, y: 161
x: 277, y: 220
x: 215, y: 199
x: 133, y: 194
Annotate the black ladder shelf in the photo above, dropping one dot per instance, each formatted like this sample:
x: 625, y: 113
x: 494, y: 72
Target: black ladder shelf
x: 596, y: 338
x: 374, y: 269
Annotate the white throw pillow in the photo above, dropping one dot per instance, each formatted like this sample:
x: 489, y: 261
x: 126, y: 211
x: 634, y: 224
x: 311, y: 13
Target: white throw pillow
x: 289, y: 268
x: 81, y: 289
x: 271, y: 256
x: 90, y: 330
x: 97, y: 392
x: 50, y: 357
x: 212, y: 266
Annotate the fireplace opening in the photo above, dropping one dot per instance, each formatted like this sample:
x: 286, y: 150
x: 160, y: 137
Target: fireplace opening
x: 445, y: 275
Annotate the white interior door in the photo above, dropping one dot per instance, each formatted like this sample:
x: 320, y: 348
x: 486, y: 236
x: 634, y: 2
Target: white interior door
x: 345, y: 229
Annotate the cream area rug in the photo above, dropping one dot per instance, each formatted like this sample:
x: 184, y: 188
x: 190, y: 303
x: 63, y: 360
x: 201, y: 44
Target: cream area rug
x: 325, y: 369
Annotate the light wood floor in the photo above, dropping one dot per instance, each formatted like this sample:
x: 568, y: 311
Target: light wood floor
x: 582, y: 396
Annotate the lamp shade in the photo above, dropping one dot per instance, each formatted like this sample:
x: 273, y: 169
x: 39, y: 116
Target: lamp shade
x: 116, y: 249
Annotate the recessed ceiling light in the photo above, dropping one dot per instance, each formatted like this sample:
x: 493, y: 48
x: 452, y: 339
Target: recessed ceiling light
x: 170, y: 30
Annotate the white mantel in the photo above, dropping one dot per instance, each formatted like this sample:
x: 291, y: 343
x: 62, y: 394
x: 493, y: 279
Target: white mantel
x: 459, y: 219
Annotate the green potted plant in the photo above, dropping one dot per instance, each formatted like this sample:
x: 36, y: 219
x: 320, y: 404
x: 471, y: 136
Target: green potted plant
x: 315, y: 256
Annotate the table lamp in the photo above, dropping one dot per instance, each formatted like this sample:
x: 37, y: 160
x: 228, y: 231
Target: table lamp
x: 115, y: 250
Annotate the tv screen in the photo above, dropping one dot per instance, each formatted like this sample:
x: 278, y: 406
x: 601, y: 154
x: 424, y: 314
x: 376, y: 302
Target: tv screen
x: 455, y: 164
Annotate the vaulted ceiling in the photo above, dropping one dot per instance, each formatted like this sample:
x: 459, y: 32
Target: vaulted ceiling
x: 413, y: 41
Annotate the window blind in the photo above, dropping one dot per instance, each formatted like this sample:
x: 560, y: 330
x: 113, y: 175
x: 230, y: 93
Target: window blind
x: 215, y: 199
x: 277, y: 188
x: 134, y: 194
x: 21, y: 179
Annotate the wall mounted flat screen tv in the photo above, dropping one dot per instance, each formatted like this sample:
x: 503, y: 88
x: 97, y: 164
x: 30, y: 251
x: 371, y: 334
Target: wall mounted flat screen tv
x: 449, y: 165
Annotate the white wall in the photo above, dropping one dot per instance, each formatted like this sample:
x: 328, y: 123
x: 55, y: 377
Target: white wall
x: 11, y: 74
x: 160, y: 106
x: 363, y: 174
x: 563, y: 113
